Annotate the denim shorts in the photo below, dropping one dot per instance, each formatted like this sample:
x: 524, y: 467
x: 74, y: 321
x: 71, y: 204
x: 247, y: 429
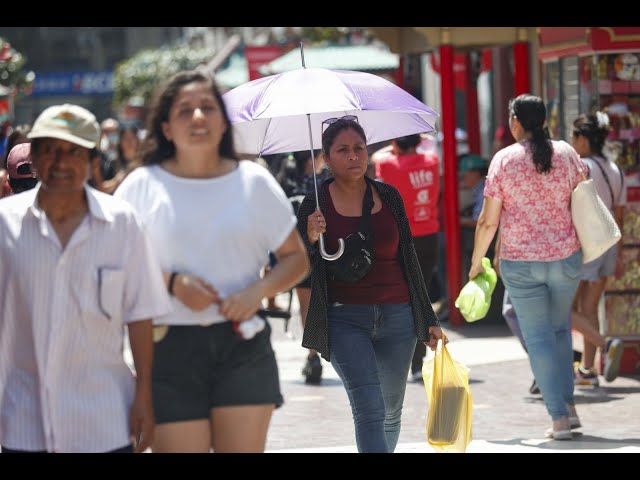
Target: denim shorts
x: 198, y: 368
x: 601, y: 267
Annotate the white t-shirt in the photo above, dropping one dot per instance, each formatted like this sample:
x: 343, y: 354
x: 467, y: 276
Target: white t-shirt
x: 618, y: 185
x: 219, y: 229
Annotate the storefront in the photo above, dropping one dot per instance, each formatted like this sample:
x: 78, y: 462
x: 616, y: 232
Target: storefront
x: 515, y: 68
x: 586, y: 69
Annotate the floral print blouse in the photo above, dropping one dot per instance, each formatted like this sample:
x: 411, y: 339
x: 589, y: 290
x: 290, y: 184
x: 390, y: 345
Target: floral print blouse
x: 535, y: 223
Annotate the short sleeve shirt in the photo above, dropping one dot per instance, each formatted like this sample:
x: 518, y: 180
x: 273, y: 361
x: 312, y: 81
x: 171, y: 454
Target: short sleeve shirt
x: 535, y: 222
x: 219, y: 229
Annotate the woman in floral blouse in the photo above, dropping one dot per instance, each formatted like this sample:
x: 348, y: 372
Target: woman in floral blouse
x: 528, y: 191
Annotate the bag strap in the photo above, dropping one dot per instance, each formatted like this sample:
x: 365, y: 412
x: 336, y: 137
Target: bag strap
x: 606, y: 178
x: 621, y: 181
x: 365, y: 220
x: 582, y: 175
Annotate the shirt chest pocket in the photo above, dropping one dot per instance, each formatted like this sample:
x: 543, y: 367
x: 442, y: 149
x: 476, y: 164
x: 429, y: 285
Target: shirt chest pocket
x: 103, y: 294
x: 110, y: 292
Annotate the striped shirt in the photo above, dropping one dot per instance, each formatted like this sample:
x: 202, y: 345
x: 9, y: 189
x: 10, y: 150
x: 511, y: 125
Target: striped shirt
x: 64, y: 384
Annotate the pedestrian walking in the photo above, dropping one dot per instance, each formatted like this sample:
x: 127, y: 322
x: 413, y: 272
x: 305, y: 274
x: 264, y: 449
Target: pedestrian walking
x: 212, y: 220
x: 527, y: 192
x: 75, y: 268
x: 588, y: 138
x: 367, y: 309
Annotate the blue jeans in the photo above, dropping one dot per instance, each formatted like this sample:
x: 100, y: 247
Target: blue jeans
x: 542, y: 294
x: 371, y: 350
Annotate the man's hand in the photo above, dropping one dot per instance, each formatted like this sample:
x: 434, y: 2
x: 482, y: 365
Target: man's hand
x: 142, y: 421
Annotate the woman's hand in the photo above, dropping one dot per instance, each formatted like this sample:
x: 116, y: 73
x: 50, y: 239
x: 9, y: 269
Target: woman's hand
x: 619, y: 270
x: 315, y: 226
x: 435, y: 334
x: 496, y: 264
x: 476, y: 269
x: 242, y: 305
x: 194, y: 292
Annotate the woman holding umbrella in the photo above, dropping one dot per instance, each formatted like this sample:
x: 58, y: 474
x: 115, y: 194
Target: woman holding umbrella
x: 378, y: 305
x: 212, y: 219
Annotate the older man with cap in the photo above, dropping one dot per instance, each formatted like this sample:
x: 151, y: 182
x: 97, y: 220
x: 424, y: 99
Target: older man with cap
x: 75, y: 268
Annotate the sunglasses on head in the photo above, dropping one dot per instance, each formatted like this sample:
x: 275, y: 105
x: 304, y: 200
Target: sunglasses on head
x: 345, y: 118
x: 330, y: 121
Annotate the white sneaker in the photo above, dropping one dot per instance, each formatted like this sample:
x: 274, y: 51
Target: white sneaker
x: 558, y: 434
x: 613, y: 355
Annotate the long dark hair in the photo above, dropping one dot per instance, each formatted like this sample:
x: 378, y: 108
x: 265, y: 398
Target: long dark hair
x: 531, y: 113
x: 593, y: 130
x: 155, y: 147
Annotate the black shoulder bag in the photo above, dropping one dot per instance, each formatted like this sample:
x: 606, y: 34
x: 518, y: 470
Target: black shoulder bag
x: 357, y: 259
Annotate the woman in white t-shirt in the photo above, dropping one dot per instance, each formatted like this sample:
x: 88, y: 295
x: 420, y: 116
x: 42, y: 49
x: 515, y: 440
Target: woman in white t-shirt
x: 589, y: 134
x: 212, y: 220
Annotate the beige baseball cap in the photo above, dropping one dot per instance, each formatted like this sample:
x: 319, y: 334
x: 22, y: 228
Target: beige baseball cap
x: 68, y: 122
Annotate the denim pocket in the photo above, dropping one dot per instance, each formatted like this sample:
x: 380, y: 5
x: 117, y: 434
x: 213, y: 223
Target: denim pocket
x: 515, y: 270
x: 571, y: 266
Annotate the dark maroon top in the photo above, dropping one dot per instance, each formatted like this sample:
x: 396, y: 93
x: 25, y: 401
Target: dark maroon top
x: 385, y: 282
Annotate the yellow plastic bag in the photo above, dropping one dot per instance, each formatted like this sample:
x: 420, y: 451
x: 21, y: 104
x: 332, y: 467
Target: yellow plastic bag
x: 450, y: 402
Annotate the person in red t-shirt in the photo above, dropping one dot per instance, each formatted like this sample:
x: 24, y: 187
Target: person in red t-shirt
x: 417, y: 178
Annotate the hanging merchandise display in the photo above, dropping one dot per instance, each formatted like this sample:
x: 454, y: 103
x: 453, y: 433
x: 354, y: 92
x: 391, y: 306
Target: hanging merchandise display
x: 591, y: 69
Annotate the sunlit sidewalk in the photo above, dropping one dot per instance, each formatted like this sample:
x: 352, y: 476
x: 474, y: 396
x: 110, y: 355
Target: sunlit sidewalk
x: 508, y: 446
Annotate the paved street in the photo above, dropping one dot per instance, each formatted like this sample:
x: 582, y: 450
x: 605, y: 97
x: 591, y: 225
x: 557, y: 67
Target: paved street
x: 506, y: 418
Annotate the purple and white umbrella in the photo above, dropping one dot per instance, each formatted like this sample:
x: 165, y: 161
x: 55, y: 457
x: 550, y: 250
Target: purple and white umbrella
x: 269, y: 114
x: 284, y: 113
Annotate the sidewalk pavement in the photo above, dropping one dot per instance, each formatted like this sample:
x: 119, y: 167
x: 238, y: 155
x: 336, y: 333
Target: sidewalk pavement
x: 506, y: 418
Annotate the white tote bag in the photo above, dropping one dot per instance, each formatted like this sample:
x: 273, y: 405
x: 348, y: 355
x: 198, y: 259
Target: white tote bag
x: 596, y: 228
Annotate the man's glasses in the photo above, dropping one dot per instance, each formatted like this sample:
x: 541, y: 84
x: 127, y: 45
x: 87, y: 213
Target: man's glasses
x: 576, y: 134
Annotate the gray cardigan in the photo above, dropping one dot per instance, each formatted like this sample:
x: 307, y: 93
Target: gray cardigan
x: 316, y: 331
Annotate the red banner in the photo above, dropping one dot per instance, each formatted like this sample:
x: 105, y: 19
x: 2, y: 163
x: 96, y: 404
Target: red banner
x: 258, y: 56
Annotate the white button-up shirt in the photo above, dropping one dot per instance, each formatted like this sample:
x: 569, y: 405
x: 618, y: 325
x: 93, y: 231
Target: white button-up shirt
x: 64, y: 384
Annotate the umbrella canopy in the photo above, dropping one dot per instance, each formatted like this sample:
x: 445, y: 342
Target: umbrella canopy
x: 269, y: 115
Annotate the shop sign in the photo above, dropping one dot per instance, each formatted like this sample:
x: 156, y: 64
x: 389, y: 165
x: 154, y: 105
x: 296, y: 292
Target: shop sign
x: 73, y: 83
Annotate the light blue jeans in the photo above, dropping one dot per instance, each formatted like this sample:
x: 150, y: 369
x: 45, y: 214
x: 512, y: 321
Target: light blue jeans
x: 371, y: 350
x: 542, y: 294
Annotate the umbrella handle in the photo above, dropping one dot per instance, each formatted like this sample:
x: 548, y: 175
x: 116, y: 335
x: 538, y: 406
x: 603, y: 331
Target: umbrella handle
x: 336, y: 255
